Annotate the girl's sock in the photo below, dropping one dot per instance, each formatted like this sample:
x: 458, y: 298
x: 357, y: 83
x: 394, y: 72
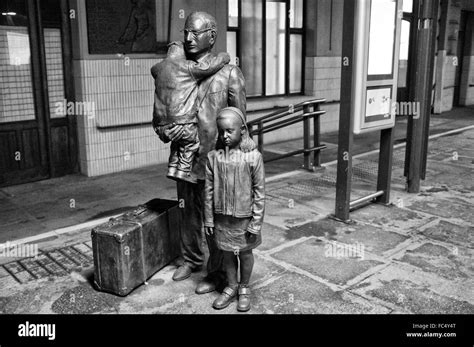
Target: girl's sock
x: 246, y: 267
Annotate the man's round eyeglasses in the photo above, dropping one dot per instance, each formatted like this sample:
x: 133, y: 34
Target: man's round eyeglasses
x: 195, y: 33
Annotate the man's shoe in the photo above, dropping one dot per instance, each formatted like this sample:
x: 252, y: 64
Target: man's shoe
x: 207, y: 285
x: 224, y: 300
x: 244, y: 299
x: 183, y: 272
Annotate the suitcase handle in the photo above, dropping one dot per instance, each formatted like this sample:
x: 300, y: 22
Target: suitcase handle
x: 140, y: 210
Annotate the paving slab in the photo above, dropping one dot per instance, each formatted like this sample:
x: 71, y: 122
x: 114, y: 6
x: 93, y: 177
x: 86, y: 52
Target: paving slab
x: 449, y: 173
x: 7, y: 285
x: 29, y: 227
x: 452, y: 208
x: 419, y: 300
x: 453, y: 233
x: 286, y: 214
x: 297, y: 294
x: 83, y: 299
x: 272, y: 236
x: 445, y: 261
x: 324, y: 260
x: 391, y: 217
x: 407, y: 289
x: 373, y: 239
x: 163, y: 295
x: 12, y: 214
x: 326, y: 227
x: 36, y: 297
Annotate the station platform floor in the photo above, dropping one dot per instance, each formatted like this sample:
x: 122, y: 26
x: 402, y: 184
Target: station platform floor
x: 413, y: 255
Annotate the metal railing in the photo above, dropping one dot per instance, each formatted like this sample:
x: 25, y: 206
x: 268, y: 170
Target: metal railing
x: 302, y: 112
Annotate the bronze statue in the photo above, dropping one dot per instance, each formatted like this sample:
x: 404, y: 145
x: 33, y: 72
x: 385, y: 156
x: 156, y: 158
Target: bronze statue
x: 234, y: 203
x: 176, y: 91
x: 223, y: 89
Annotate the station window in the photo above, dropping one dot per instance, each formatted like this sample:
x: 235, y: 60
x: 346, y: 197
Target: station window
x: 265, y: 38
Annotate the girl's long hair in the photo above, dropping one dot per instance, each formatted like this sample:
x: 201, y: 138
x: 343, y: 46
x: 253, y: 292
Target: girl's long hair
x: 246, y: 143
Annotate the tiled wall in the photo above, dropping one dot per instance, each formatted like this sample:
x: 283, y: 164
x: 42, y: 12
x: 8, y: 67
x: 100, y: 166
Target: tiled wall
x: 323, y: 77
x: 323, y: 80
x: 114, y: 138
x: 445, y: 81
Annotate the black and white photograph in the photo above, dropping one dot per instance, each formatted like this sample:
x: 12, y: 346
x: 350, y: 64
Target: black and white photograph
x: 234, y: 163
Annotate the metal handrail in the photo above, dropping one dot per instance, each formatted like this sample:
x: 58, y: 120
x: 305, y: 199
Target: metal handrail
x: 297, y: 107
x: 279, y: 119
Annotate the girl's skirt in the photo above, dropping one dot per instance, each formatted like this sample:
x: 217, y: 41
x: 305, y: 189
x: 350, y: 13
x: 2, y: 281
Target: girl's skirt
x: 231, y: 234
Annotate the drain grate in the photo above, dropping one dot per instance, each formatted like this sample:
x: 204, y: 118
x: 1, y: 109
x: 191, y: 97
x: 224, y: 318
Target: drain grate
x: 57, y: 263
x: 61, y: 259
x: 34, y: 268
x: 75, y: 256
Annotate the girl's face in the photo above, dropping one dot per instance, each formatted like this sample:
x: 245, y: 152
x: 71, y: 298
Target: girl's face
x: 230, y: 129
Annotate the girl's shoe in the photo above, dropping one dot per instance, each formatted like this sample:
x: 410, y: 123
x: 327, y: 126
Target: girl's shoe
x: 244, y: 299
x: 224, y: 300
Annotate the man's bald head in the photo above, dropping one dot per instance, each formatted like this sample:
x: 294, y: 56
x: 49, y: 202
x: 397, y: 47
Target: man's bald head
x: 208, y: 19
x: 200, y: 33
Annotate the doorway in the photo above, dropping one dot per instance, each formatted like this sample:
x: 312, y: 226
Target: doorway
x: 36, y: 141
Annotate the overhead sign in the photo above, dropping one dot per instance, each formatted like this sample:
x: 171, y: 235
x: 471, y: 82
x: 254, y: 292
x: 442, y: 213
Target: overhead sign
x: 375, y: 65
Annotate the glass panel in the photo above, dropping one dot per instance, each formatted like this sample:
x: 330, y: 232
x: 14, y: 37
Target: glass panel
x: 54, y: 68
x: 252, y: 46
x: 233, y: 13
x: 16, y: 88
x: 296, y: 14
x: 403, y: 62
x: 275, y: 48
x: 381, y: 37
x: 407, y: 6
x: 51, y: 19
x: 232, y: 46
x: 296, y: 59
x: 50, y: 13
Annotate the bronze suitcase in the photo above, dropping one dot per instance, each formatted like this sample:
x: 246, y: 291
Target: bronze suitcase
x: 131, y: 248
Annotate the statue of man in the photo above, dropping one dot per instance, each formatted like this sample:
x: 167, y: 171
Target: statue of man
x: 223, y: 89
